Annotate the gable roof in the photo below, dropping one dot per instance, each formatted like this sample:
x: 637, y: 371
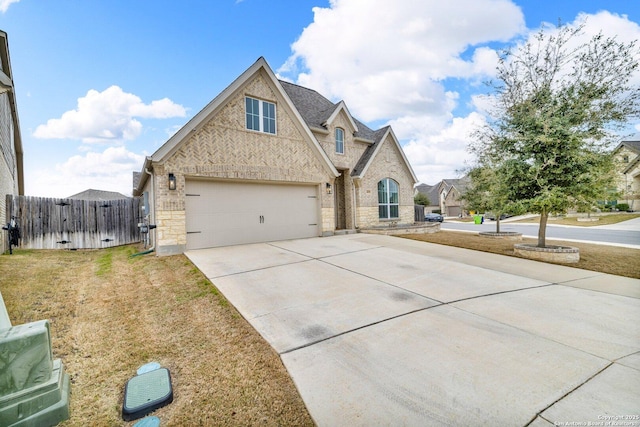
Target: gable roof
x: 342, y: 107
x: 431, y: 191
x: 203, y: 117
x: 313, y: 111
x: 370, y: 153
x: 317, y: 111
x: 632, y: 144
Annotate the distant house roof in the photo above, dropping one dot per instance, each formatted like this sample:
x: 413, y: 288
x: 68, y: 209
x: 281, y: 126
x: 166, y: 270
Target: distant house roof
x: 632, y: 143
x: 459, y: 184
x: 431, y: 191
x: 99, y: 195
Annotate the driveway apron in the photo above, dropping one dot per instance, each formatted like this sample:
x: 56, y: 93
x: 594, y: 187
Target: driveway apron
x: 379, y: 330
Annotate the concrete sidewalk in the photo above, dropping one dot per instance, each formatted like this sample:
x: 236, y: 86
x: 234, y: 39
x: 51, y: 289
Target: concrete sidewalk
x: 379, y: 330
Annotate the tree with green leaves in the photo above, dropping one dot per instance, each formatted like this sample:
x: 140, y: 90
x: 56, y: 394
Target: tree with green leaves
x: 421, y: 199
x: 558, y: 104
x: 487, y: 192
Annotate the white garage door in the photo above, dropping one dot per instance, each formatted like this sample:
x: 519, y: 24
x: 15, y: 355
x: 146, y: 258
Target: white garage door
x: 230, y: 213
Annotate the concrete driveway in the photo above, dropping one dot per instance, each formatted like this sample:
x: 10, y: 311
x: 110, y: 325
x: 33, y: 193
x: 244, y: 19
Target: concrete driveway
x: 379, y: 330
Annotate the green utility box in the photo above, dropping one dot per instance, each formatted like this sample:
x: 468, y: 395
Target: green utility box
x: 34, y: 389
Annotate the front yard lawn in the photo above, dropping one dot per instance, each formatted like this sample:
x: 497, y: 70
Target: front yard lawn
x: 603, y: 258
x: 110, y: 314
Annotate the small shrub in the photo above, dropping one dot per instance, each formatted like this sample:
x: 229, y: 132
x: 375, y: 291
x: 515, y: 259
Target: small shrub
x: 622, y: 207
x: 421, y: 199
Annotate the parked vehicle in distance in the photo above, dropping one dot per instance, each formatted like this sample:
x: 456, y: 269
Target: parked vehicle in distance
x: 492, y: 217
x: 433, y: 217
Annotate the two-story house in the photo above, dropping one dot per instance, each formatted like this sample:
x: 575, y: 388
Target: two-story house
x: 268, y: 160
x: 11, y: 173
x: 627, y: 158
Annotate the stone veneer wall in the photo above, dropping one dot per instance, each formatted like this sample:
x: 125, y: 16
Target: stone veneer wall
x: 387, y: 164
x: 224, y: 149
x: 628, y: 184
x: 346, y: 161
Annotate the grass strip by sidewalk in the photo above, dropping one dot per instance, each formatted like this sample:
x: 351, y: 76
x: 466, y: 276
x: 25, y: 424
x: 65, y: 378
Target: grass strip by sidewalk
x: 110, y: 314
x: 603, y: 258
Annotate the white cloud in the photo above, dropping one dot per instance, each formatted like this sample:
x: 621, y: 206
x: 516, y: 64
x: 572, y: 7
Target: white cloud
x: 4, y: 4
x: 109, y: 170
x: 391, y: 59
x: 395, y: 62
x: 389, y: 64
x: 440, y: 155
x: 107, y: 116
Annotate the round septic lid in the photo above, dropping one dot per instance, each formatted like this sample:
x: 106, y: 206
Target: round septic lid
x: 151, y: 366
x: 148, y: 422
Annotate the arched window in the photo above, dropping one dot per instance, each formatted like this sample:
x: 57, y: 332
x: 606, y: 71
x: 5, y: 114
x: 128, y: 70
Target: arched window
x: 339, y: 141
x: 388, y: 199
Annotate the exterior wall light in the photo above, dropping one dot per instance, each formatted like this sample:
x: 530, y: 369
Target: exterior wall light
x: 328, y: 187
x: 172, y: 181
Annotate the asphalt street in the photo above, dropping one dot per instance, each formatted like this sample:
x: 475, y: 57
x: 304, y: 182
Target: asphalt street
x: 626, y: 233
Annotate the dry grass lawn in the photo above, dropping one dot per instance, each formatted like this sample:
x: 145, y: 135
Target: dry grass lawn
x: 110, y: 314
x: 607, y: 259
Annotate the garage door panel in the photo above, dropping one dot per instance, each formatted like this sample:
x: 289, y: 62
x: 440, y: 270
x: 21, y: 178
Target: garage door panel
x: 231, y: 213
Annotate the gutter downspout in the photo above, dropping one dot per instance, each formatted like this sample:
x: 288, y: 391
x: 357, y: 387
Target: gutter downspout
x: 354, y: 204
x: 152, y: 216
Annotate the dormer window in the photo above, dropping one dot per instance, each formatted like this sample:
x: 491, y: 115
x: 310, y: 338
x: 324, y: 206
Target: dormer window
x: 261, y: 115
x: 339, y: 141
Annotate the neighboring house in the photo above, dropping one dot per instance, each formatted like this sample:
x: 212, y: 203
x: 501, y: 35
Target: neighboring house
x: 627, y: 158
x: 98, y: 195
x: 269, y: 160
x: 450, y: 191
x: 431, y: 191
x: 11, y: 173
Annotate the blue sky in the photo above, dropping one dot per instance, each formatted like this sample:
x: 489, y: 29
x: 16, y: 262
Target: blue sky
x: 101, y: 84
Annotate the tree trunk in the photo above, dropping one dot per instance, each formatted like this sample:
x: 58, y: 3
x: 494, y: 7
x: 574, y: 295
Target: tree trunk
x: 497, y: 223
x: 542, y: 231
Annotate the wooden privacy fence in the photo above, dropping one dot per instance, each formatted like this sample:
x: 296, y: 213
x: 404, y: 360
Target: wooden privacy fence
x: 48, y: 223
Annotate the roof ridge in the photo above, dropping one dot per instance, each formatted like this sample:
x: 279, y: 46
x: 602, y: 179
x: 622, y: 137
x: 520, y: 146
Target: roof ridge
x: 309, y: 89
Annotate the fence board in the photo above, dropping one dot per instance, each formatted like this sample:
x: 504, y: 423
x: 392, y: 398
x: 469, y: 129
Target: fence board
x: 50, y: 223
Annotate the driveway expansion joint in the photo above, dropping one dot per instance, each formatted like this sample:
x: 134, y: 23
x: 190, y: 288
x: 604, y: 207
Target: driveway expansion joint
x: 377, y: 322
x: 441, y: 304
x: 539, y: 414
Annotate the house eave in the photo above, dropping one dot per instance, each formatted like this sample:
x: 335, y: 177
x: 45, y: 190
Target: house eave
x: 364, y: 140
x: 341, y: 107
x: 144, y: 177
x: 389, y: 132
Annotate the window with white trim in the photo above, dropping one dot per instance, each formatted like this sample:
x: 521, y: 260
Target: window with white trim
x: 339, y: 141
x: 388, y: 206
x: 261, y: 115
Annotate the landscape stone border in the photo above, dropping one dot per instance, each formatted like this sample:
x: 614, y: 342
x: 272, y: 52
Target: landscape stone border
x: 507, y: 235
x: 420, y: 228
x: 551, y: 253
